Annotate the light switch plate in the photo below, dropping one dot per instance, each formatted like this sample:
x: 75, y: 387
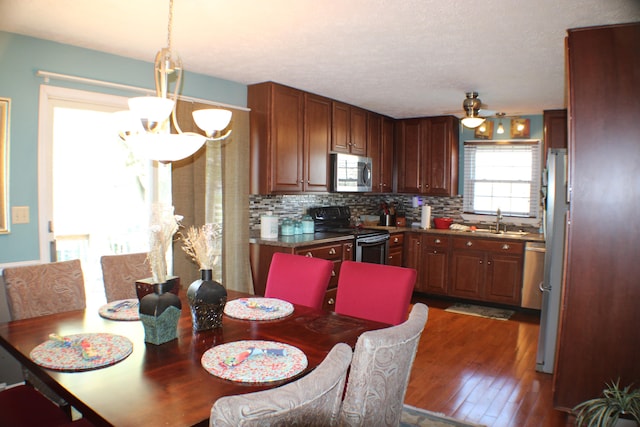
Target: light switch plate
x: 20, y: 214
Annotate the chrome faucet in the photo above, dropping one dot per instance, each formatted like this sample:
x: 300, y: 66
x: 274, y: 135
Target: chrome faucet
x: 499, y: 218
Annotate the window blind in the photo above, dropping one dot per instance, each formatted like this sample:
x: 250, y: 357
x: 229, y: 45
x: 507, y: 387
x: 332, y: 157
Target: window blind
x: 502, y: 175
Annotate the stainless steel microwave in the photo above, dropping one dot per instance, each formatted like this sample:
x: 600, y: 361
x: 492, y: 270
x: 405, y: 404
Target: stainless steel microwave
x: 350, y: 173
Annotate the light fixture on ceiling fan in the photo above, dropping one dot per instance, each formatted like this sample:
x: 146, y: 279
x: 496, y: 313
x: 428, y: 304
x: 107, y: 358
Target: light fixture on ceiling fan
x: 471, y: 106
x: 146, y: 125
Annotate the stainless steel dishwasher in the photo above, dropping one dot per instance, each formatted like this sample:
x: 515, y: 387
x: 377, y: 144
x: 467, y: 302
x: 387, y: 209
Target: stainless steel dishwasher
x: 533, y: 275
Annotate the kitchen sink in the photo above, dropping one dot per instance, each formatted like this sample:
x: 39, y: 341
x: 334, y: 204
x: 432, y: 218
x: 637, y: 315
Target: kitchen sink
x: 506, y: 233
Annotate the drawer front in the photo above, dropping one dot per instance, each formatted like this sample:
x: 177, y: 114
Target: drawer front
x: 396, y: 240
x: 499, y: 246
x: 435, y: 241
x: 330, y: 252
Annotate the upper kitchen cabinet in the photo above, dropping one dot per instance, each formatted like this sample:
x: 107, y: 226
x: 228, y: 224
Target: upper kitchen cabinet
x: 555, y: 128
x: 349, y: 129
x: 427, y: 155
x: 290, y: 139
x: 380, y: 149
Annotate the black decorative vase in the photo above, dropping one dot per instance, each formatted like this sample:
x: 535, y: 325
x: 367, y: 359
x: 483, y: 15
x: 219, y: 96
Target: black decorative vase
x: 207, y: 299
x: 159, y: 313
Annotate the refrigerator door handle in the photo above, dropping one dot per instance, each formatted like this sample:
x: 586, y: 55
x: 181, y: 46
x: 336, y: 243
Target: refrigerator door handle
x: 543, y: 288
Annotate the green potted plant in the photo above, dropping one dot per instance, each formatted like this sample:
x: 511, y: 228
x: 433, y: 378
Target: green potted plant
x: 615, y: 407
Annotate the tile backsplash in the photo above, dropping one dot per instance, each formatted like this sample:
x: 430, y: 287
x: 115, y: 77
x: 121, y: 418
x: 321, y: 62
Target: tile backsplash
x: 293, y: 206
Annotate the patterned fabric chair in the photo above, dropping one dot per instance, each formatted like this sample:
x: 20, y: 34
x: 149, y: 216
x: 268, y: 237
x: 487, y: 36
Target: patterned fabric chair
x: 313, y: 400
x: 120, y: 272
x: 375, y: 291
x: 380, y: 372
x: 38, y: 290
x: 298, y: 279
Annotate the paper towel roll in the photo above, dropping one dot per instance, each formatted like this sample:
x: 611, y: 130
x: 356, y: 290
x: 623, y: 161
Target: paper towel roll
x: 425, y: 221
x: 269, y: 226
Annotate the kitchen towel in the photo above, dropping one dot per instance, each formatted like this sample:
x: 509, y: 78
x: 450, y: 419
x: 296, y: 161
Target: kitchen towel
x: 425, y: 221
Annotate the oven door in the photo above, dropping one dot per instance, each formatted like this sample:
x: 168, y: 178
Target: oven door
x: 373, y: 249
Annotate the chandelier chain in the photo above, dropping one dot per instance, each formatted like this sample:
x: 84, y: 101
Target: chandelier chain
x: 170, y: 24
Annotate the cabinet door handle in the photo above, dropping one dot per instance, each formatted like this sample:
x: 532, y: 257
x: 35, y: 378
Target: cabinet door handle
x: 309, y: 254
x: 480, y: 261
x: 332, y: 251
x: 488, y: 262
x: 435, y: 252
x: 333, y: 273
x: 469, y: 243
x: 437, y: 241
x: 331, y: 301
x: 395, y: 240
x: 505, y: 247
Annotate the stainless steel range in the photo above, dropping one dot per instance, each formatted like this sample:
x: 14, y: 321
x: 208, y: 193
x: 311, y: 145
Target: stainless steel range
x: 371, y: 245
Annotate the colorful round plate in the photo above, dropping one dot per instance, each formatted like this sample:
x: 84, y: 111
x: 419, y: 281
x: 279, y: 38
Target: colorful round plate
x: 269, y: 361
x: 258, y: 308
x: 125, y: 309
x: 101, y: 350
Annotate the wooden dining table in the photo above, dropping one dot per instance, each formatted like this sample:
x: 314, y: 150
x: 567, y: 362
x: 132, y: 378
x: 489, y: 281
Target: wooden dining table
x: 166, y: 385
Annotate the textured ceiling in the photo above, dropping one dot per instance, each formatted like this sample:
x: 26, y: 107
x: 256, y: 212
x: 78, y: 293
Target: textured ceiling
x: 403, y: 58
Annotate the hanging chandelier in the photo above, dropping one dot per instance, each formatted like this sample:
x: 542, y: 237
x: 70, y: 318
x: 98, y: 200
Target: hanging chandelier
x: 146, y: 126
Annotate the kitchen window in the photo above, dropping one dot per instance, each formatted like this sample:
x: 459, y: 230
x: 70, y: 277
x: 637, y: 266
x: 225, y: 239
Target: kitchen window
x: 502, y: 175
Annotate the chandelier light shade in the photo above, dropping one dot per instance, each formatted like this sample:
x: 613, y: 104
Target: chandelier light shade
x: 471, y: 106
x: 146, y: 125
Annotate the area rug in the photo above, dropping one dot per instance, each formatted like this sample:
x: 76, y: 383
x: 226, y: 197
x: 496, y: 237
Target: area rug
x: 480, y: 311
x: 417, y: 417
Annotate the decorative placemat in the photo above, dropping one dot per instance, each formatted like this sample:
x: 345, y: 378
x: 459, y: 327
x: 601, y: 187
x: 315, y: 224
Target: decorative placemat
x: 81, y: 352
x: 258, y: 308
x: 125, y: 309
x: 254, y: 361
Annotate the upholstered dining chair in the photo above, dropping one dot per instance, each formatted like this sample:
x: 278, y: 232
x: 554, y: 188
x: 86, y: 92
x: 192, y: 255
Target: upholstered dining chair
x: 298, y: 279
x: 375, y: 291
x: 313, y: 400
x: 42, y: 289
x: 120, y: 272
x: 24, y: 406
x: 380, y: 369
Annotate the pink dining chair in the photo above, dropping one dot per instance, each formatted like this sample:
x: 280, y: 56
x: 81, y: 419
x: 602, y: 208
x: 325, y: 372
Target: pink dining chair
x: 375, y: 291
x: 24, y: 406
x: 298, y: 279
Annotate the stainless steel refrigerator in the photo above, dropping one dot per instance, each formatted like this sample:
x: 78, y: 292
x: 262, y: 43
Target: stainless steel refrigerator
x: 554, y: 188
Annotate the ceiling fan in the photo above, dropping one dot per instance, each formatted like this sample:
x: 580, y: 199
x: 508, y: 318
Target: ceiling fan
x: 475, y: 111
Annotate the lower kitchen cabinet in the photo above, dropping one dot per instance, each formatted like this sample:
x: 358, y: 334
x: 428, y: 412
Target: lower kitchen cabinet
x: 337, y: 252
x: 429, y: 255
x: 396, y: 249
x: 486, y: 270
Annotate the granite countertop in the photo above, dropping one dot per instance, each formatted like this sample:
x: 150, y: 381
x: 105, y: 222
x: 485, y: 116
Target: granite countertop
x: 320, y: 238
x: 528, y: 237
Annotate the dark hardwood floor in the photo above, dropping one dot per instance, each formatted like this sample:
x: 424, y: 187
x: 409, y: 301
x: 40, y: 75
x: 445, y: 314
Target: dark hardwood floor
x: 482, y: 370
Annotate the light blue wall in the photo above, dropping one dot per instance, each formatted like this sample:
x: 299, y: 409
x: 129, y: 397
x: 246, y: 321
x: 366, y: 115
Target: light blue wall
x: 20, y: 58
x: 536, y: 128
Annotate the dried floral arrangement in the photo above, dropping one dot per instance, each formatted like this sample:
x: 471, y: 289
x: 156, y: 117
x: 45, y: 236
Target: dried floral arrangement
x: 203, y: 245
x: 162, y: 226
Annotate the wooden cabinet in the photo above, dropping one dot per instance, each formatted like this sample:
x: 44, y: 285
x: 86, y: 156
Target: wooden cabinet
x: 290, y: 139
x: 349, y: 129
x: 598, y: 336
x: 396, y: 249
x: 427, y: 156
x: 486, y: 270
x: 380, y: 149
x: 334, y: 251
x: 555, y: 129
x: 428, y: 254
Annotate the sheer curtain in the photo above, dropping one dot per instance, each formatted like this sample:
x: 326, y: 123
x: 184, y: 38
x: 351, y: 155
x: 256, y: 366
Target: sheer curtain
x: 213, y: 186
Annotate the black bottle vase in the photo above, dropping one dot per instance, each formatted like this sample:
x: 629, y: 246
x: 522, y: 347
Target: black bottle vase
x: 159, y: 313
x: 207, y: 299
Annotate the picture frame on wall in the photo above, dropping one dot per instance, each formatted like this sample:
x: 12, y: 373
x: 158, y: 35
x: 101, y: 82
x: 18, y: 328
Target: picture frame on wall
x: 484, y: 131
x: 520, y: 128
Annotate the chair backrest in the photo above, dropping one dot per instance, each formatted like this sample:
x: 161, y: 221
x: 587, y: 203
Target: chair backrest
x: 298, y: 279
x: 120, y: 272
x: 38, y: 290
x: 380, y: 372
x: 375, y: 291
x: 313, y: 400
